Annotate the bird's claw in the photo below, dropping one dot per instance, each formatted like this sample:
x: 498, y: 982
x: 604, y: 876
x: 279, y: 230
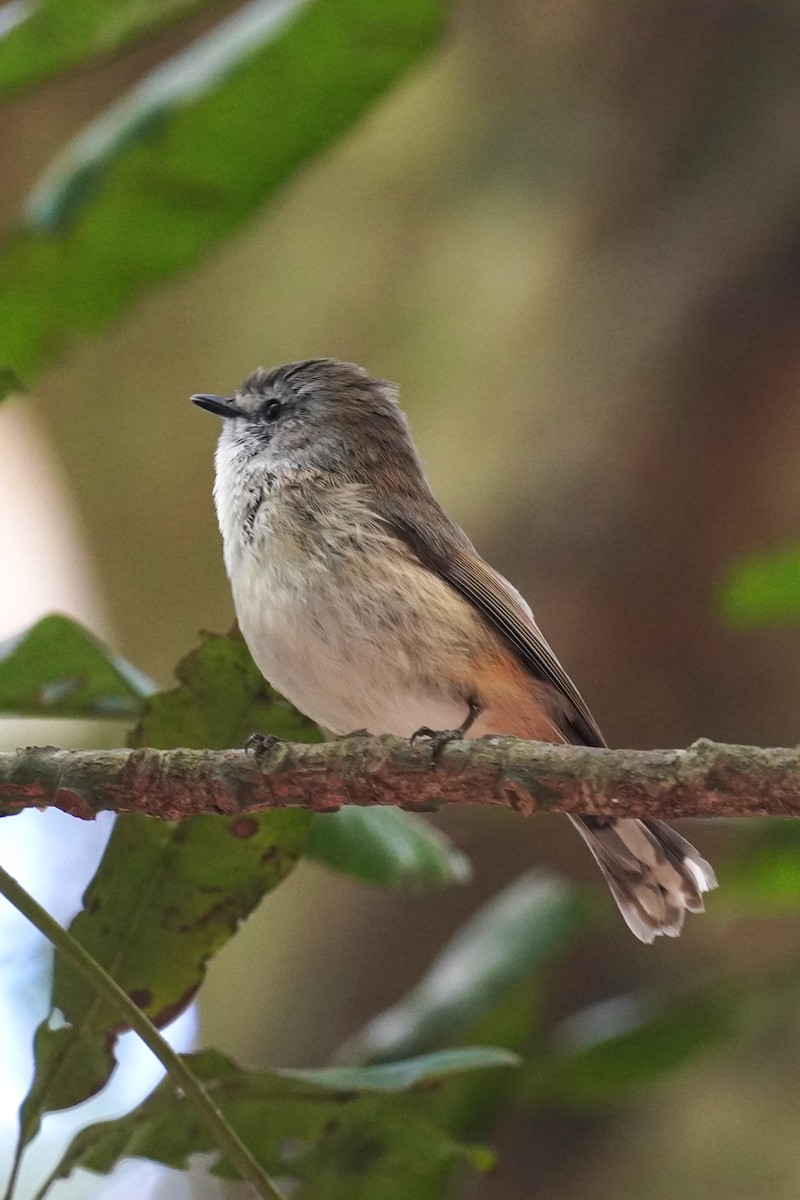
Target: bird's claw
x: 260, y: 744
x: 439, y: 738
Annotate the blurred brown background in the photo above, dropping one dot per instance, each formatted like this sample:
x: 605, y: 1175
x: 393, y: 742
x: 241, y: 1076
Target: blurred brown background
x: 573, y: 240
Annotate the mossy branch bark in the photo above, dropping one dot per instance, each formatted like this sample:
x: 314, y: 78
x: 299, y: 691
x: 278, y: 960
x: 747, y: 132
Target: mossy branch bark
x: 706, y: 780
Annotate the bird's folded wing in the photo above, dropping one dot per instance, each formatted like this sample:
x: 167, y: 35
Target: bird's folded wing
x: 498, y: 603
x: 493, y: 597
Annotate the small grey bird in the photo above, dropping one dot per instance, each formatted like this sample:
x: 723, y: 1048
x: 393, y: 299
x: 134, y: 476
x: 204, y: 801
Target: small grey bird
x: 366, y: 605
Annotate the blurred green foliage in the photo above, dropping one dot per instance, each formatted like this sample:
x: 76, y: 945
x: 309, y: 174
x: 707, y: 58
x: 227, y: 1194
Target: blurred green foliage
x: 516, y: 936
x: 195, y: 149
x: 763, y: 589
x: 763, y: 874
x: 610, y: 1051
x: 55, y: 35
x: 386, y: 848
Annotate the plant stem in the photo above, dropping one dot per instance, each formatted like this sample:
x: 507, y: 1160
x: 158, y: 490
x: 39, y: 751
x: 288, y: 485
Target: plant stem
x: 207, y: 1111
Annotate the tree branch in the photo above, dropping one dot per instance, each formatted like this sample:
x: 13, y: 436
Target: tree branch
x: 707, y: 780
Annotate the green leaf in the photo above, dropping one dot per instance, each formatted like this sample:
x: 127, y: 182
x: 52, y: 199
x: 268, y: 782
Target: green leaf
x: 164, y: 900
x: 763, y: 589
x: 166, y: 897
x: 58, y: 669
x: 192, y: 74
x: 183, y: 164
x: 351, y: 1133
x: 612, y: 1050
x: 515, y: 934
x: 410, y: 1073
x: 55, y: 35
x: 386, y: 846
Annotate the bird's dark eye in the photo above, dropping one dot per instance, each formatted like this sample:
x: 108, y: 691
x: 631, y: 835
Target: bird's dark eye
x: 271, y: 410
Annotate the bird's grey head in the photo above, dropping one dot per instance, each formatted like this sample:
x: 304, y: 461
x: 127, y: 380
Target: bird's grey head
x: 318, y: 415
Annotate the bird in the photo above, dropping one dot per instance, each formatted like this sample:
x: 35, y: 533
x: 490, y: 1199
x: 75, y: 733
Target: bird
x: 365, y: 604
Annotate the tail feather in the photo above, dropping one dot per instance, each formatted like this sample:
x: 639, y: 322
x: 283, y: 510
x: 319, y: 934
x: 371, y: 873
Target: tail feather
x: 654, y: 874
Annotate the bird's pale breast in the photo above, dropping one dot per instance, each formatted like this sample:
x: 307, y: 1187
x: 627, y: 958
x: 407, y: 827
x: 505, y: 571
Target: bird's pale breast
x: 351, y: 628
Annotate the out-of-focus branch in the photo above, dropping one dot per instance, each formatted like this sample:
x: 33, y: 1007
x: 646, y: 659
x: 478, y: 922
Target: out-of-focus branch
x: 707, y: 780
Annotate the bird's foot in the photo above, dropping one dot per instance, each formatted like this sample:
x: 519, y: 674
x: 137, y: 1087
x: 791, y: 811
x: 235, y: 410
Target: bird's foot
x: 260, y: 744
x: 439, y: 738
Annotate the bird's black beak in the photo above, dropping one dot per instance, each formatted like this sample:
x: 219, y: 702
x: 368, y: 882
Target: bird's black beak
x: 220, y: 406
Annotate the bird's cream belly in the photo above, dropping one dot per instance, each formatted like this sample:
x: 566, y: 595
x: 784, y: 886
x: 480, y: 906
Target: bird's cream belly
x: 367, y: 643
x: 342, y: 688
x: 338, y: 674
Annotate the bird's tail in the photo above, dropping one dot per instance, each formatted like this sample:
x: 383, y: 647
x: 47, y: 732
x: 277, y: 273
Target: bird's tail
x: 655, y: 875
